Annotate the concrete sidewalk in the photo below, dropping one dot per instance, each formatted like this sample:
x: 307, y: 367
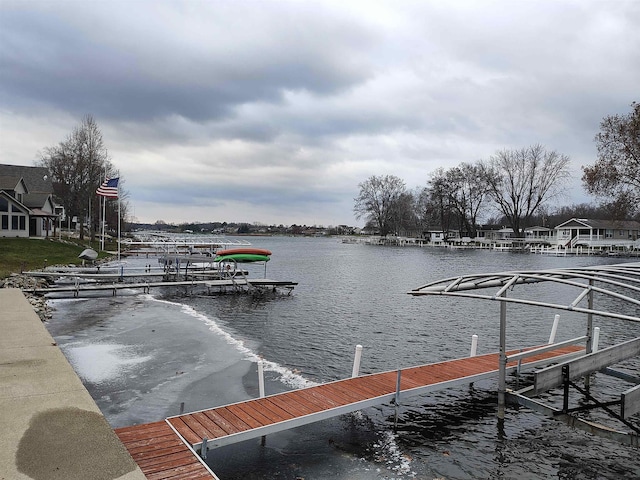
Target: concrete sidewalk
x: 50, y: 427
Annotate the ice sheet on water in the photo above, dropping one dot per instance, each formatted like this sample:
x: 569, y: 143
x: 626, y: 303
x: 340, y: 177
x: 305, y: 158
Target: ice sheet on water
x: 285, y: 375
x: 102, y: 362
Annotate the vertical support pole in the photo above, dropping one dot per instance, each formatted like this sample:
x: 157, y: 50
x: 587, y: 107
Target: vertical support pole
x: 565, y: 378
x: 589, y: 317
x: 397, y: 398
x: 181, y: 408
x: 474, y: 345
x: 554, y: 329
x: 596, y: 340
x: 261, y: 378
x: 263, y: 439
x: 589, y: 345
x: 502, y: 373
x: 203, y: 449
x: 356, y: 361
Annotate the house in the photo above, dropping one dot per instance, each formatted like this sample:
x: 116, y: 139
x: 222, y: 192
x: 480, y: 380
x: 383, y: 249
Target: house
x: 438, y: 236
x: 27, y: 207
x: 539, y: 235
x: 598, y: 233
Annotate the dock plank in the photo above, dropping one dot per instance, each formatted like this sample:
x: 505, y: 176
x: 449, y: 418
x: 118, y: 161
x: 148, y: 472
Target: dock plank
x: 161, y: 454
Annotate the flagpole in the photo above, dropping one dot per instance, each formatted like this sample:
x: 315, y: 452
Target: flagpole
x: 104, y: 213
x: 118, y: 217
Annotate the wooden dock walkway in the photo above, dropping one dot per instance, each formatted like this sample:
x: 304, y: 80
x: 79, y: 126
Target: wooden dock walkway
x: 162, y: 454
x: 254, y: 418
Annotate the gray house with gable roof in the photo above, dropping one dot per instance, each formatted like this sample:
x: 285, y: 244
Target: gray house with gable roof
x: 27, y: 208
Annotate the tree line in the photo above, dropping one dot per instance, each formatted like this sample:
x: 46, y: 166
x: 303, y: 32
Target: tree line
x: 515, y: 187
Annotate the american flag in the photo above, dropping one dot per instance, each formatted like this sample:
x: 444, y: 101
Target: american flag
x: 109, y: 188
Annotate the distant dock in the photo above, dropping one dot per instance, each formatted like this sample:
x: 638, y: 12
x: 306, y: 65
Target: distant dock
x: 233, y: 285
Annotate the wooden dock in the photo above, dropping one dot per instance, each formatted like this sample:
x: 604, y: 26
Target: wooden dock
x: 154, y: 448
x: 161, y: 454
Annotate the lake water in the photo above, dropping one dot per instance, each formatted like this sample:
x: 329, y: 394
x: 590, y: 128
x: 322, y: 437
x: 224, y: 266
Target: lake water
x: 141, y: 356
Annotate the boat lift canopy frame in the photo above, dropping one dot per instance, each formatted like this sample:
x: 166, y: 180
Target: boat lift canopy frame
x: 608, y: 280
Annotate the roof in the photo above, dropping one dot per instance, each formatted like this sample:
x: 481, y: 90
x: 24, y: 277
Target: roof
x: 601, y: 224
x: 37, y: 179
x: 36, y: 200
x: 9, y: 182
x: 9, y: 198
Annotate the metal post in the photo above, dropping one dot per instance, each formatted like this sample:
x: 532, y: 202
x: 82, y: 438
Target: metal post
x: 474, y: 345
x: 589, y: 317
x: 397, y: 398
x: 554, y: 329
x: 261, y: 378
x: 203, y: 449
x: 565, y: 379
x: 356, y: 361
x: 596, y: 340
x: 590, y: 340
x: 502, y: 374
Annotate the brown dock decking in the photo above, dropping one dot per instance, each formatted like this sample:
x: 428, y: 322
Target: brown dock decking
x: 155, y: 445
x: 161, y: 454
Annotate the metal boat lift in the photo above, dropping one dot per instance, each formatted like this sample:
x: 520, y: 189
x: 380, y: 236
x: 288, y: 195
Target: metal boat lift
x: 620, y: 282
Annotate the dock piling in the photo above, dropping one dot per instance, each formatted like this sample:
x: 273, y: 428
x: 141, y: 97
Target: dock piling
x: 396, y: 399
x: 474, y: 345
x: 554, y: 329
x: 356, y: 361
x: 203, y: 449
x: 261, y: 378
x: 596, y: 339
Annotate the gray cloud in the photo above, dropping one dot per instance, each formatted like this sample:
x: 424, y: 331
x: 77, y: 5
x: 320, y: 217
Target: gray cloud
x: 280, y: 109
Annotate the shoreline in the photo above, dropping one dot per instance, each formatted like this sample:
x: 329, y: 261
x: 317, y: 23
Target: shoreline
x: 44, y: 403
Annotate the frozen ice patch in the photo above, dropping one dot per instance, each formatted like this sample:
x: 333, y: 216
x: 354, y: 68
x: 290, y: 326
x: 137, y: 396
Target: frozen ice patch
x: 98, y: 363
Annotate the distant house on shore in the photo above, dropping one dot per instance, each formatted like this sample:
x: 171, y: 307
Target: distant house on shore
x: 597, y: 233
x: 26, y: 202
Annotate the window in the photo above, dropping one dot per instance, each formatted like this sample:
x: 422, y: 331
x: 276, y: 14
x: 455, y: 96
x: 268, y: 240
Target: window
x: 608, y: 233
x: 5, y: 222
x: 4, y: 205
x: 23, y: 222
x: 14, y: 222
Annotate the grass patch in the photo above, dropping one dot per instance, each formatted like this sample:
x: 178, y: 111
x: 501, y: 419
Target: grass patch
x: 18, y: 254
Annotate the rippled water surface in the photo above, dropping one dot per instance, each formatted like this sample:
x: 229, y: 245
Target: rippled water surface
x: 201, y: 350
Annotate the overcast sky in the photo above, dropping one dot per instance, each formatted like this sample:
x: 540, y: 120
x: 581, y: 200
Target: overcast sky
x: 274, y: 112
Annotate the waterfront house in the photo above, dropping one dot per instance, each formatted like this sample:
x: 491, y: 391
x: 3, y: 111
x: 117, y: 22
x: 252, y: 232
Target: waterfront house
x: 539, y: 235
x: 27, y: 207
x: 601, y: 234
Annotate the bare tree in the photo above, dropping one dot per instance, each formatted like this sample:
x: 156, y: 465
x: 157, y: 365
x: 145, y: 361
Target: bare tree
x: 521, y: 181
x: 378, y: 201
x: 440, y: 201
x: 465, y: 188
x: 78, y: 166
x: 616, y: 174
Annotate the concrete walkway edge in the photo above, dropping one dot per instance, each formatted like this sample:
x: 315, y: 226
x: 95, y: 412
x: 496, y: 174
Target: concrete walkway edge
x: 51, y: 427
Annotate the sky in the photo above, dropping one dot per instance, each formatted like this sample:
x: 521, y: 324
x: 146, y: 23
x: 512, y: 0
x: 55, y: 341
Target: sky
x: 273, y: 112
